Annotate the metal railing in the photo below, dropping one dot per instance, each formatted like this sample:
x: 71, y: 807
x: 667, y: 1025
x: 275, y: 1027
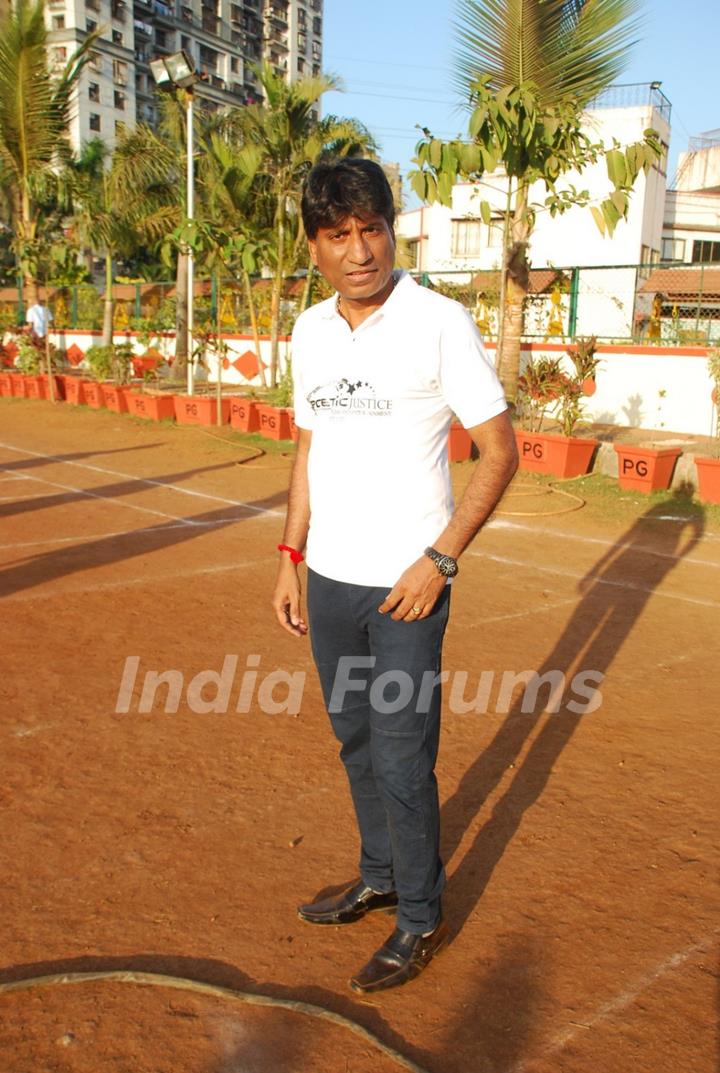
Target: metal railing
x: 665, y: 304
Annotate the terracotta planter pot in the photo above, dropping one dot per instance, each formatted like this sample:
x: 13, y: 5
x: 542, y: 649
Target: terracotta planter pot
x: 33, y: 387
x: 588, y: 386
x: 243, y: 414
x: 58, y: 384
x: 19, y: 386
x: 93, y: 394
x: 294, y: 433
x: 200, y: 410
x: 6, y: 385
x: 153, y: 407
x: 459, y: 443
x: 554, y: 455
x: 645, y: 469
x: 114, y: 398
x: 274, y: 422
x: 708, y: 470
x: 75, y: 390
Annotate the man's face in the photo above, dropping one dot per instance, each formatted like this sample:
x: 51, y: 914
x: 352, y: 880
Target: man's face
x: 356, y: 257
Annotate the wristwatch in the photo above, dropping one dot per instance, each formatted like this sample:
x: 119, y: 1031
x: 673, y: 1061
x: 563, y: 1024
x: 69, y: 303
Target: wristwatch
x: 446, y: 565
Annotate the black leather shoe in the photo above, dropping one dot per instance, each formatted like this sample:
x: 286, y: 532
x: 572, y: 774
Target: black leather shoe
x: 402, y: 958
x: 348, y: 907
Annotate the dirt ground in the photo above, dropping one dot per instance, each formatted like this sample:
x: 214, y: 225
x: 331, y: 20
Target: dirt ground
x: 580, y: 848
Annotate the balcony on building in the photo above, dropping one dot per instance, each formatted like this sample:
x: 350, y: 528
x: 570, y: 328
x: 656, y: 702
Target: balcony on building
x: 142, y: 29
x: 163, y: 10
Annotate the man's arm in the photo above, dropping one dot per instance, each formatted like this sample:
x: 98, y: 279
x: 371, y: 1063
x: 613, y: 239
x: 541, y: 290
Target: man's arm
x: 286, y: 598
x: 421, y: 584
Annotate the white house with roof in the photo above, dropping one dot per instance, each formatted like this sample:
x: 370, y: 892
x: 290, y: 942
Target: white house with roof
x: 453, y: 243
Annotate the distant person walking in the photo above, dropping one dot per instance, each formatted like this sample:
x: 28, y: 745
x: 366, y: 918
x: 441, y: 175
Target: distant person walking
x: 39, y: 317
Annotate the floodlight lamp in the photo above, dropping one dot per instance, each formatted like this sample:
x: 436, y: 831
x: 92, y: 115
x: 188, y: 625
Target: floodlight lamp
x: 161, y: 74
x: 655, y: 85
x: 181, y: 69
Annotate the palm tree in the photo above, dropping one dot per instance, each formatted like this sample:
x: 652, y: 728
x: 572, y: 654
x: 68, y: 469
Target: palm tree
x: 34, y: 109
x: 288, y: 138
x: 527, y: 69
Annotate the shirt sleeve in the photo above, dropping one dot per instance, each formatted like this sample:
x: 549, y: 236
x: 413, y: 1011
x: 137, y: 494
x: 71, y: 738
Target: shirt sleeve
x: 469, y: 382
x: 304, y: 416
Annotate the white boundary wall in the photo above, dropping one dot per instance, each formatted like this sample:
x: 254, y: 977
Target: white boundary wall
x: 662, y: 388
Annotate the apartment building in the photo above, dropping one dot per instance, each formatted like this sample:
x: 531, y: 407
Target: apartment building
x: 225, y: 39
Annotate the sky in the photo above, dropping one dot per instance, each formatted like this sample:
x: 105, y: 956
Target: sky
x: 395, y: 62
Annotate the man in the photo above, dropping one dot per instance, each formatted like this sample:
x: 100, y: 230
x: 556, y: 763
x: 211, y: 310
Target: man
x: 379, y: 370
x: 38, y: 317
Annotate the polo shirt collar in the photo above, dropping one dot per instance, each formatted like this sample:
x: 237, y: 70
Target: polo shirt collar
x: 403, y: 283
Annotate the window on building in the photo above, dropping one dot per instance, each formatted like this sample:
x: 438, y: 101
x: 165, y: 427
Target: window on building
x: 185, y: 44
x: 705, y: 252
x: 95, y: 62
x: 59, y: 54
x: 300, y: 65
x: 117, y: 37
x: 673, y: 249
x: 117, y: 10
x: 496, y: 230
x: 94, y: 91
x: 316, y: 50
x: 234, y: 66
x: 466, y: 238
x: 94, y: 121
x: 413, y: 253
x: 58, y: 22
x: 316, y: 70
x: 649, y: 256
x: 317, y: 26
x: 661, y: 162
x: 160, y: 38
x: 139, y: 81
x: 90, y: 25
x: 236, y: 13
x: 119, y: 100
x: 302, y: 16
x: 302, y: 42
x: 120, y: 72
x: 92, y: 5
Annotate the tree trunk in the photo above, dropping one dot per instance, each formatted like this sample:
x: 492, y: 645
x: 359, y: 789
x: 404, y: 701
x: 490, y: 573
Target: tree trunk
x: 181, y: 317
x: 109, y: 306
x: 307, y: 287
x: 254, y: 325
x: 517, y: 285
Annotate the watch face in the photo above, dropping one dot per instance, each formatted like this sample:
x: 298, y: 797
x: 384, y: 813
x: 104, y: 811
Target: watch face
x: 447, y: 566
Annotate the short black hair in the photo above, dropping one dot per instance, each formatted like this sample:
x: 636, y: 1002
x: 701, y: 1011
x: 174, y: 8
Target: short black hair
x: 348, y: 186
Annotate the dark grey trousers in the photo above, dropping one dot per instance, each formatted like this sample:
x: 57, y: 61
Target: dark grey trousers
x: 377, y: 681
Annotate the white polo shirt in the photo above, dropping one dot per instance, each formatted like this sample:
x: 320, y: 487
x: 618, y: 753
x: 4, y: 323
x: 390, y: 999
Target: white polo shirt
x: 379, y: 402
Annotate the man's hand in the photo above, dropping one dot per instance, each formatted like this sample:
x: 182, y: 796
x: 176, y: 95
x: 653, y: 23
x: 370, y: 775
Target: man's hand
x: 286, y: 599
x: 420, y: 586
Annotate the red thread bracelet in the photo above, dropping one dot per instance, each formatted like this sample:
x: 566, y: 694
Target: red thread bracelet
x: 295, y: 556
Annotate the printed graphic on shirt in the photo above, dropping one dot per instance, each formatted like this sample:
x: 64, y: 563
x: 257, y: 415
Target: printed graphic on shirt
x: 345, y: 398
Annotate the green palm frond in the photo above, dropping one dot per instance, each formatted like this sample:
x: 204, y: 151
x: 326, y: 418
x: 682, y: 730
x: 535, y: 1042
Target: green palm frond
x: 565, y: 48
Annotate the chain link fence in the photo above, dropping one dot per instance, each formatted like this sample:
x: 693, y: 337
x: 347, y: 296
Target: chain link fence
x: 654, y: 304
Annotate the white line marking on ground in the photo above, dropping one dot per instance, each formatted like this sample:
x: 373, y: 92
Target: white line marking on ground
x: 592, y: 580
x: 501, y: 523
x: 83, y: 539
x: 144, y: 480
x: 620, y: 1002
x: 146, y: 579
x: 115, y: 500
x: 528, y: 611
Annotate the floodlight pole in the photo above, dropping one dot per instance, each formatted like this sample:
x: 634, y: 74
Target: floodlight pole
x: 190, y: 253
